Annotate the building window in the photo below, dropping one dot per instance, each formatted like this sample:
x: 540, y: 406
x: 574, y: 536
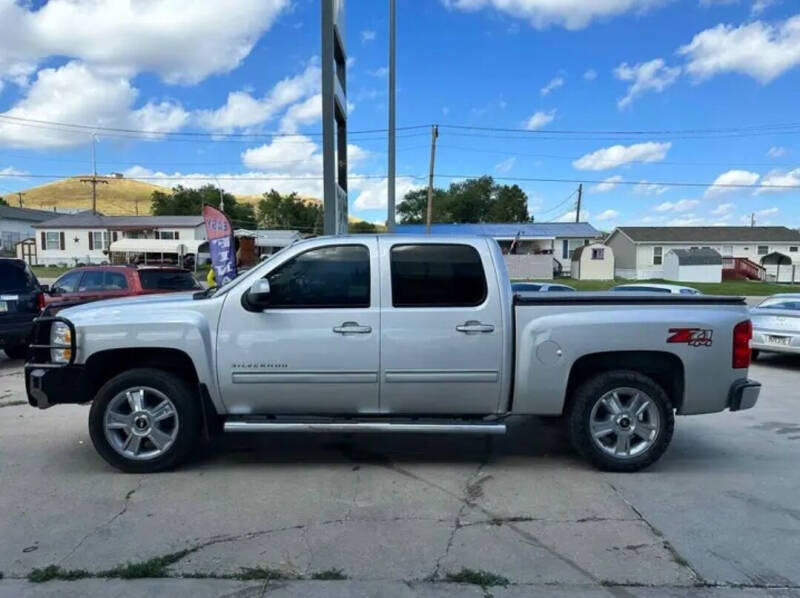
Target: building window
x: 763, y: 250
x: 98, y: 240
x: 657, y: 253
x: 170, y: 235
x: 52, y: 241
x: 793, y: 249
x: 598, y: 253
x: 565, y: 249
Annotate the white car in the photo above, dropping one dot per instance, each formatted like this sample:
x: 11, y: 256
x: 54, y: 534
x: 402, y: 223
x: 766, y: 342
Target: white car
x: 776, y: 324
x: 673, y: 289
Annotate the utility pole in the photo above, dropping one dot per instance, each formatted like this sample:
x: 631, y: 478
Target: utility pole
x: 580, y: 197
x: 221, y: 196
x: 434, y: 136
x: 94, y: 180
x: 752, y: 219
x: 390, y: 221
x: 20, y: 194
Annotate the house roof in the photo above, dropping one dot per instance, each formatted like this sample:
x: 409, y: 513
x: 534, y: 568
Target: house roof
x: 89, y: 220
x: 529, y: 230
x: 710, y: 234
x: 27, y: 214
x: 697, y: 257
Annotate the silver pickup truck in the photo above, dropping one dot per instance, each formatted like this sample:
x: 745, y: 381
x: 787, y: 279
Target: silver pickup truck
x: 390, y: 334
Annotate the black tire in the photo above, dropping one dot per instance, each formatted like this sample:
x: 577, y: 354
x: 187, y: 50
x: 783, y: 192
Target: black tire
x: 17, y: 351
x: 580, y: 411
x: 187, y: 406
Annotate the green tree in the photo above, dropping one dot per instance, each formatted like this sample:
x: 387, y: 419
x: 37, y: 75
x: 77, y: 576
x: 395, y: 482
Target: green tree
x: 185, y: 201
x: 3, y: 202
x: 473, y: 200
x: 362, y: 226
x: 289, y: 212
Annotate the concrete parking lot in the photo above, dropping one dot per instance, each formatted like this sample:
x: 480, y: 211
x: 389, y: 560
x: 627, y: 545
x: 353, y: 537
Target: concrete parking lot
x: 395, y: 515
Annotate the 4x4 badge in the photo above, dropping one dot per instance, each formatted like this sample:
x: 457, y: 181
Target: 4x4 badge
x: 694, y: 337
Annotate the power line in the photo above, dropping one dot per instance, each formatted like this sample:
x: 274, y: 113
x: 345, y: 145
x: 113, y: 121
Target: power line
x: 222, y: 178
x: 789, y: 127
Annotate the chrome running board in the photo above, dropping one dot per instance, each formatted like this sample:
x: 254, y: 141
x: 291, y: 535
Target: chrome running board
x: 355, y: 427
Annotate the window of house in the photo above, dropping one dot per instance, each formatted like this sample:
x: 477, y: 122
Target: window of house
x: 793, y: 249
x: 657, y: 255
x: 98, y: 240
x: 598, y: 253
x: 336, y: 276
x: 565, y: 249
x: 437, y: 276
x: 763, y: 249
x: 170, y: 235
x: 52, y: 241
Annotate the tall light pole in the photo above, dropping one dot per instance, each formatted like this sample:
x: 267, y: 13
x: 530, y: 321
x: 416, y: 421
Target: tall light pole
x: 390, y: 221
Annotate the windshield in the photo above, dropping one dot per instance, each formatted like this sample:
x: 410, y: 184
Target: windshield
x: 166, y: 280
x: 16, y: 276
x: 790, y: 303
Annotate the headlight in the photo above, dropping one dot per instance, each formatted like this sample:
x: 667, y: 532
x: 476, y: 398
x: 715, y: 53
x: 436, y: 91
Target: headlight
x: 60, y: 334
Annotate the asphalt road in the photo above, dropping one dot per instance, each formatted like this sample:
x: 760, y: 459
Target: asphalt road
x: 718, y: 515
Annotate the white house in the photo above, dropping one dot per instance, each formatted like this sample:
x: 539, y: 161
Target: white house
x: 594, y: 261
x: 693, y: 265
x: 86, y: 238
x: 532, y: 249
x: 639, y: 251
x: 16, y: 224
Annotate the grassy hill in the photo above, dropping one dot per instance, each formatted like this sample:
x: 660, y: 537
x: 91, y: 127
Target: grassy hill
x: 120, y: 197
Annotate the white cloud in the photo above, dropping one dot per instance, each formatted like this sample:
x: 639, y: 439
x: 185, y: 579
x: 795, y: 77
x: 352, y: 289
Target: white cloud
x: 777, y: 151
x: 789, y: 179
x: 380, y: 72
x: 645, y: 188
x: 304, y: 113
x: 243, y: 110
x: 682, y: 205
x: 571, y: 14
x: 73, y: 93
x: 607, y: 215
x: 539, y: 120
x: 760, y: 50
x: 732, y: 177
x: 617, y: 155
x: 645, y: 76
x: 11, y: 172
x: 506, y: 165
x: 768, y: 212
x: 297, y: 154
x: 607, y: 185
x: 373, y: 194
x: 554, y: 84
x: 367, y: 35
x: 723, y: 209
x: 183, y: 42
x: 687, y: 220
x: 590, y: 75
x: 760, y: 6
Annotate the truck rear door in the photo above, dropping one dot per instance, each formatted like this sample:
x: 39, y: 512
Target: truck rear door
x: 441, y: 328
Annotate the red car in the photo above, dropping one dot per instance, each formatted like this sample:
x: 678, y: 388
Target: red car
x: 92, y: 283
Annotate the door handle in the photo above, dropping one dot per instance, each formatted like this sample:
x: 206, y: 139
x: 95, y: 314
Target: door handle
x: 474, y: 327
x: 352, y: 328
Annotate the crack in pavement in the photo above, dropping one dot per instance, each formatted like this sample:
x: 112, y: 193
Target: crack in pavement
x: 122, y: 511
x: 676, y: 556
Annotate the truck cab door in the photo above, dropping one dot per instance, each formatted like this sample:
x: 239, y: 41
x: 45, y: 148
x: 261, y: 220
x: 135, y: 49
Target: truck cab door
x: 314, y: 347
x: 442, y: 329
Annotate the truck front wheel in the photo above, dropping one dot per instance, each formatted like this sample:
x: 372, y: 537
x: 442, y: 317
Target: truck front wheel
x: 621, y: 421
x: 144, y: 420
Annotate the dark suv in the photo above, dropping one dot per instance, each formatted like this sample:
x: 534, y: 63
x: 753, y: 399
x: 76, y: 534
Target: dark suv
x: 21, y: 300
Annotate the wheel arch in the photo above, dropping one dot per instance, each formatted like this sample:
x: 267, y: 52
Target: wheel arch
x: 666, y: 369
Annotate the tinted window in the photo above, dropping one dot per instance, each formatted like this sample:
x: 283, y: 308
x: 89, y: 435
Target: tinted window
x: 437, y: 276
x: 166, y: 280
x: 641, y: 289
x: 15, y: 276
x: 560, y: 288
x: 793, y: 304
x: 525, y: 286
x: 92, y: 281
x: 323, y: 277
x: 689, y: 292
x: 68, y: 282
x: 115, y: 281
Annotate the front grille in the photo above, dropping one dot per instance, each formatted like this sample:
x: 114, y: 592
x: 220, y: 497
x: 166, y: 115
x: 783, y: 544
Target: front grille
x: 40, y: 347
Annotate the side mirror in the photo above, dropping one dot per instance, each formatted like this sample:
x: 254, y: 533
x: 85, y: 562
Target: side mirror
x: 45, y: 288
x: 257, y: 297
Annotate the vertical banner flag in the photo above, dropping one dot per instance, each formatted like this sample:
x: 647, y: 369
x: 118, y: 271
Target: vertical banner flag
x: 219, y: 233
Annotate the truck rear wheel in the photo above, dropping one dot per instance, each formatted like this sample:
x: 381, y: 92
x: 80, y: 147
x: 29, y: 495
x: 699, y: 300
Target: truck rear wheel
x: 144, y: 420
x: 621, y: 421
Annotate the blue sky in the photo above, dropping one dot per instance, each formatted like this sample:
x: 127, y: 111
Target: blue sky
x: 626, y: 95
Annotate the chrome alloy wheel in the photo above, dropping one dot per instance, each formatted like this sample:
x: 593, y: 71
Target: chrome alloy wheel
x: 625, y: 422
x: 141, y: 423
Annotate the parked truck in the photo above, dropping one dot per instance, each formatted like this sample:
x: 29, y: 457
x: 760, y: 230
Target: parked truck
x: 390, y: 334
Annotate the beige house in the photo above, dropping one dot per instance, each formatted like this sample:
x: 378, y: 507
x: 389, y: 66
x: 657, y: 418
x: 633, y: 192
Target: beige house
x: 593, y: 262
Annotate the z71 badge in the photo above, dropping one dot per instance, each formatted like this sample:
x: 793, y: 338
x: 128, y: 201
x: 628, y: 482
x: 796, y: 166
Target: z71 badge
x: 694, y: 337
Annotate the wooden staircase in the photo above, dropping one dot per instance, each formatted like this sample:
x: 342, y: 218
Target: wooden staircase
x: 742, y: 268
